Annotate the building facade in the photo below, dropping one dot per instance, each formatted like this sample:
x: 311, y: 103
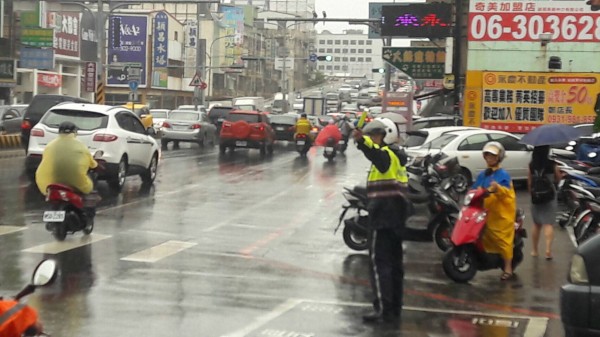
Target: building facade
x: 354, y: 54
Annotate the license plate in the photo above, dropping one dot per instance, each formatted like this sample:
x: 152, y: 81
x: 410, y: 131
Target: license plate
x: 179, y: 127
x: 241, y: 143
x: 341, y: 142
x: 280, y: 128
x: 220, y: 119
x: 54, y: 216
x: 329, y: 149
x: 300, y: 142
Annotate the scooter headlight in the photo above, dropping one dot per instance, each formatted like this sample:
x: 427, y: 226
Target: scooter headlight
x: 468, y: 198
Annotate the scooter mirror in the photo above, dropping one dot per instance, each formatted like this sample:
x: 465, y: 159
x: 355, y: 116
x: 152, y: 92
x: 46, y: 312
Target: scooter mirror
x: 44, y: 273
x: 98, y: 154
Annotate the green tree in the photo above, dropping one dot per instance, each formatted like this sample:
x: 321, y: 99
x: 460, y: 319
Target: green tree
x: 317, y: 79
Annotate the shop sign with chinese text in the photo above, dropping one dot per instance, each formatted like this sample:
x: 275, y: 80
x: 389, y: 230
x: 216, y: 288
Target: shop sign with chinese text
x: 161, y: 40
x: 49, y: 80
x: 90, y: 76
x: 66, y: 27
x: 567, y: 21
x: 521, y: 101
x: 417, y: 62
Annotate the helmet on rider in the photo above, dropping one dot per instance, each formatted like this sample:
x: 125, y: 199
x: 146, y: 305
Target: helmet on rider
x: 496, y: 149
x: 303, y: 115
x: 385, y: 127
x: 67, y: 127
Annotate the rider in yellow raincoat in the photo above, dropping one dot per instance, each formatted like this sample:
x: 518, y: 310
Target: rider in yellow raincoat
x: 501, y: 205
x: 66, y: 160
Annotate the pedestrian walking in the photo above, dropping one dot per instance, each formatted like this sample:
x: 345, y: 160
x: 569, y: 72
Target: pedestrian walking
x: 543, y: 174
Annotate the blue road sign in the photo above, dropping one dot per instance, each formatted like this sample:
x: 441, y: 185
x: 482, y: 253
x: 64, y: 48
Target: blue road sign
x: 133, y: 85
x: 313, y: 57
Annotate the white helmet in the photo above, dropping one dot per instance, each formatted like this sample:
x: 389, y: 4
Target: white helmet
x: 495, y: 148
x: 383, y: 125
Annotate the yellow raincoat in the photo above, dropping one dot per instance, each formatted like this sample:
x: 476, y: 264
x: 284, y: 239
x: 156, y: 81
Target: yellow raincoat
x: 65, y: 161
x: 303, y: 126
x: 499, y: 234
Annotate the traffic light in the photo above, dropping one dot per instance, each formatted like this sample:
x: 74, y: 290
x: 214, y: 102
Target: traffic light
x: 378, y: 70
x: 327, y: 58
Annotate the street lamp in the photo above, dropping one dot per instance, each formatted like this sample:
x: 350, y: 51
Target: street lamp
x: 209, y: 75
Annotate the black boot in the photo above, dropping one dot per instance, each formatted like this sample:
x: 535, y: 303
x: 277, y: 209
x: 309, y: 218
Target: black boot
x: 378, y: 317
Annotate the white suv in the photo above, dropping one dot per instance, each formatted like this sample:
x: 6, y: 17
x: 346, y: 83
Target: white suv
x: 128, y: 148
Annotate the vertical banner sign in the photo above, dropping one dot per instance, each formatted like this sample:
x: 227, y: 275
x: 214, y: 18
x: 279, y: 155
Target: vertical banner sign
x: 161, y: 43
x: 233, y: 19
x: 90, y: 76
x: 127, y: 49
x: 191, y: 34
x: 89, y: 45
x: 66, y: 32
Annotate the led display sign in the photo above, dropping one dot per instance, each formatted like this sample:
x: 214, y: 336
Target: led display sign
x: 425, y: 20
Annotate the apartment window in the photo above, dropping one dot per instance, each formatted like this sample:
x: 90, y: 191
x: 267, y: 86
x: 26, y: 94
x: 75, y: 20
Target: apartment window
x: 368, y: 51
x: 345, y: 50
x: 360, y: 51
x: 322, y: 41
x: 329, y: 41
x: 352, y: 59
x: 369, y: 42
x: 321, y: 50
x: 336, y: 67
x: 338, y: 42
x: 353, y: 42
x: 360, y: 59
x: 353, y: 51
x: 361, y: 42
x: 337, y: 50
x: 328, y: 67
x: 336, y: 59
x: 321, y: 67
x: 344, y: 59
x: 368, y: 59
x: 345, y: 42
x: 329, y: 50
x: 176, y: 37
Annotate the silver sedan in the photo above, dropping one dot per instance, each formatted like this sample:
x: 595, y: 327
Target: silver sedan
x: 188, y: 126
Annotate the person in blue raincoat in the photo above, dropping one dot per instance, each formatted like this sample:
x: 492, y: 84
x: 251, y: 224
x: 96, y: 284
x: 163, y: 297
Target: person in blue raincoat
x: 501, y: 204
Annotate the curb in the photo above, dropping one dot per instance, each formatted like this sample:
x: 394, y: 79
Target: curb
x: 11, y: 153
x: 10, y: 141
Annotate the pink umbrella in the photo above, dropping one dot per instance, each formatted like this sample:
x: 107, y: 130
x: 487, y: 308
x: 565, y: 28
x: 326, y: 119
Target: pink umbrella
x: 330, y: 130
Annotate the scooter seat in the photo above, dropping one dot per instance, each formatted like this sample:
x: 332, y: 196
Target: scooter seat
x: 594, y: 190
x: 360, y: 189
x: 418, y: 198
x: 61, y: 187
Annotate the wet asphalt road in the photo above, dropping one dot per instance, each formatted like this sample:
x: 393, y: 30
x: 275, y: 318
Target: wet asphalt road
x: 239, y: 245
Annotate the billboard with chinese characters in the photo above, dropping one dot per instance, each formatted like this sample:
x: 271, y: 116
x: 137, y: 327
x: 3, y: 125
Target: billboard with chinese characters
x: 127, y: 49
x: 66, y: 27
x: 417, y: 62
x: 520, y: 101
x: 499, y: 32
x: 427, y: 20
x: 233, y: 19
x: 161, y: 40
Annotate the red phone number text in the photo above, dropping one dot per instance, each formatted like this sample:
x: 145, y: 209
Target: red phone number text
x: 564, y: 27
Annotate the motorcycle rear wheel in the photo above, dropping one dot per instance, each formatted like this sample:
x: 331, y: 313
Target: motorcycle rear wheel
x: 459, y: 264
x: 355, y: 239
x: 441, y: 235
x: 60, y: 231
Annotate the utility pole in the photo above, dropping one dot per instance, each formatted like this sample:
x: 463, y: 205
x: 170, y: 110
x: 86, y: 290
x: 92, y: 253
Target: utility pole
x: 101, y: 51
x: 201, y: 8
x: 456, y: 59
x: 284, y: 53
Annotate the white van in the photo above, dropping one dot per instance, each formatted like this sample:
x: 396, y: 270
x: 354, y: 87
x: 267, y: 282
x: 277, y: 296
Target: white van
x: 249, y: 103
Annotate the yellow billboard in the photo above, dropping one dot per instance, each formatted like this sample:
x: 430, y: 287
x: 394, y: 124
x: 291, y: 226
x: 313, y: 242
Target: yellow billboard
x: 520, y: 101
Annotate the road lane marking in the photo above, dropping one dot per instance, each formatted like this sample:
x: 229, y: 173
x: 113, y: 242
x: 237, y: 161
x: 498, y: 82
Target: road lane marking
x: 536, y: 326
x: 159, y: 252
x: 264, y: 319
x: 70, y: 243
x: 11, y: 229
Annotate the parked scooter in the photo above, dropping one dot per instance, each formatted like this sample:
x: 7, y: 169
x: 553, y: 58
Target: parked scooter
x: 70, y: 211
x: 467, y: 256
x: 303, y: 143
x: 443, y: 208
x: 330, y: 149
x: 24, y: 318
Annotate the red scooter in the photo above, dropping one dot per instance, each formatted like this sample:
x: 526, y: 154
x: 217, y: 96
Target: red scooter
x: 70, y: 211
x: 467, y: 255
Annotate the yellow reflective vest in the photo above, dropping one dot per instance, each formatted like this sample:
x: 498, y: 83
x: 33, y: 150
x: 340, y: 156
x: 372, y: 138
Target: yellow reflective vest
x: 390, y: 183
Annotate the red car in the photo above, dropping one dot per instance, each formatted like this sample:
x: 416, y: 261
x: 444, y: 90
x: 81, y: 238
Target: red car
x: 247, y: 129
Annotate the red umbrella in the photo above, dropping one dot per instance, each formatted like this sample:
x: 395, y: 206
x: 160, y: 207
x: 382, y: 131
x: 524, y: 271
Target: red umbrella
x: 328, y: 131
